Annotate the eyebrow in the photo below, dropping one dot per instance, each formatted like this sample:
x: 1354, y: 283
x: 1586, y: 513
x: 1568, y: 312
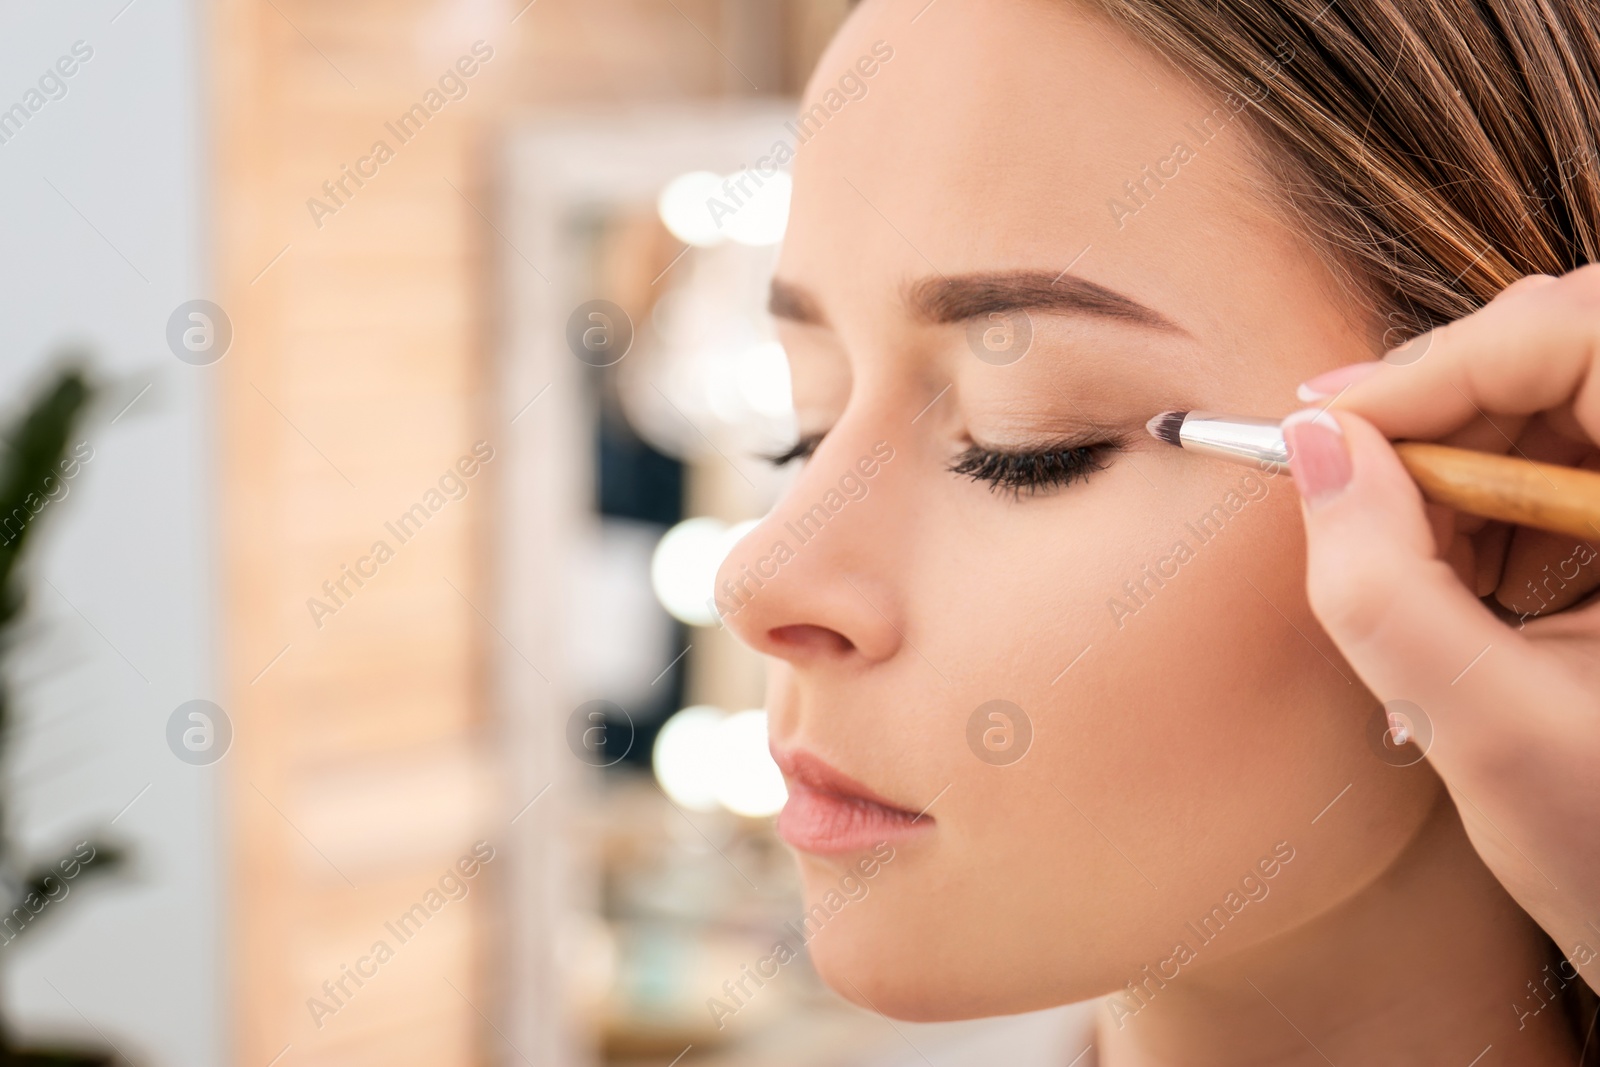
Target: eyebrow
x: 973, y: 296
x: 943, y: 300
x: 786, y: 300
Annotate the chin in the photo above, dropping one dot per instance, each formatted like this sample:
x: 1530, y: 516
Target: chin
x: 911, y: 987
x: 932, y: 986
x: 896, y: 961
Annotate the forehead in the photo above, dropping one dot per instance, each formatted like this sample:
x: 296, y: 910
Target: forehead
x: 1017, y: 134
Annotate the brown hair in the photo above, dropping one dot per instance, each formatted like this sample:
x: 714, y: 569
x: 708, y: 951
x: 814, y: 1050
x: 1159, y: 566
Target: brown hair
x: 1439, y: 149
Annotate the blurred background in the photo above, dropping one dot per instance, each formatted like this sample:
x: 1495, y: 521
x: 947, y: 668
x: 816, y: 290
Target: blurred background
x: 363, y: 700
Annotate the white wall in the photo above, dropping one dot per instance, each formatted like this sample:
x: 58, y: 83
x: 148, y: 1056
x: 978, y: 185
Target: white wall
x: 104, y: 257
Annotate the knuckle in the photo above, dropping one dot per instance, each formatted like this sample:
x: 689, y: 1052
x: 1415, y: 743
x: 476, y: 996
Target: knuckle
x: 1581, y: 288
x: 1351, y: 602
x: 1373, y: 601
x: 1526, y: 283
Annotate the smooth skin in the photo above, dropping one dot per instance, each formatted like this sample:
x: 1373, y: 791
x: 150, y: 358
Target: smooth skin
x: 1181, y: 741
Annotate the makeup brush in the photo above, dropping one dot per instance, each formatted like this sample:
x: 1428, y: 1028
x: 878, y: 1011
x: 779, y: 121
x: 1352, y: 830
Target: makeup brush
x: 1508, y: 488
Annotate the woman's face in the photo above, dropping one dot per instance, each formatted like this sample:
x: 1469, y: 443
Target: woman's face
x: 1023, y: 233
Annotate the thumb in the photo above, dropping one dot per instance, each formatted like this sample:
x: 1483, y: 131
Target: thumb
x: 1397, y: 612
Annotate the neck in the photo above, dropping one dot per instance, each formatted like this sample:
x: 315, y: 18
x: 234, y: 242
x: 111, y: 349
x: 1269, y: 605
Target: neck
x: 1428, y: 965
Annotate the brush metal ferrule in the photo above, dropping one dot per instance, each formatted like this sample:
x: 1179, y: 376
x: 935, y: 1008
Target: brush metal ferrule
x: 1241, y: 438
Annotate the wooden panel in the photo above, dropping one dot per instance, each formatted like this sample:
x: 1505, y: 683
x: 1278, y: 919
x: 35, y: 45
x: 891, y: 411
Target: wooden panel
x: 359, y: 772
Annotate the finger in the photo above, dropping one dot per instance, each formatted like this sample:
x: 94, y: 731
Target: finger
x: 1397, y: 612
x: 1330, y: 383
x: 1458, y: 554
x: 1450, y: 544
x: 1543, y: 440
x: 1527, y: 351
x: 1524, y: 283
x: 1489, y: 556
x: 1563, y: 423
x: 1547, y: 572
x: 1485, y: 433
x: 1441, y: 519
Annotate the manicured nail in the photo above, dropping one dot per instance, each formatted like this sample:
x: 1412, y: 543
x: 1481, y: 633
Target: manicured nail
x: 1325, y: 385
x: 1317, y: 455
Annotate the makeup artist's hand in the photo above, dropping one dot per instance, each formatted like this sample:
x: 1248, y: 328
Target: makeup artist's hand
x: 1507, y: 685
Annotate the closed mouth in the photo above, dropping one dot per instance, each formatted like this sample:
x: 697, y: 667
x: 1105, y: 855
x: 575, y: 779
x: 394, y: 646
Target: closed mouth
x: 828, y: 812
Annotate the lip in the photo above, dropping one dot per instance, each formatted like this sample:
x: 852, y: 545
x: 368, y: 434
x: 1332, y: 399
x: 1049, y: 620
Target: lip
x: 829, y: 813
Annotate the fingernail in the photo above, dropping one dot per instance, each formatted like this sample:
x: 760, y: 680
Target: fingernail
x: 1317, y: 455
x: 1325, y: 385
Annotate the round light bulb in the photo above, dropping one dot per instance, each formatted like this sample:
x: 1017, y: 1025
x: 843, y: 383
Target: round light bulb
x: 761, y: 219
x: 763, y: 377
x: 685, y: 209
x: 688, y: 755
x: 748, y: 782
x: 683, y: 569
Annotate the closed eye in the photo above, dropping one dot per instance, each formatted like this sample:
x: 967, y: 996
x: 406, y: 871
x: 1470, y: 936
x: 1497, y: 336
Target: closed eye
x: 801, y: 449
x: 1027, y: 473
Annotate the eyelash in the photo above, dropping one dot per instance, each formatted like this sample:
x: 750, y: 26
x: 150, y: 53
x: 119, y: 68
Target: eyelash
x: 1017, y: 473
x: 1027, y: 473
x: 801, y: 449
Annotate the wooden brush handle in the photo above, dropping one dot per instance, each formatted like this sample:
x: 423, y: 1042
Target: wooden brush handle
x: 1509, y: 488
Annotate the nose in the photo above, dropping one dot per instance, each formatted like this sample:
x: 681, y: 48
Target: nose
x: 815, y: 582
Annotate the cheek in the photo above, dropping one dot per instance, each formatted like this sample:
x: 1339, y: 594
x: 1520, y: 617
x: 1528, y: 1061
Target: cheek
x: 1180, y: 730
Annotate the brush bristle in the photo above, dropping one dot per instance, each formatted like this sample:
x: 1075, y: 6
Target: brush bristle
x: 1165, y: 426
